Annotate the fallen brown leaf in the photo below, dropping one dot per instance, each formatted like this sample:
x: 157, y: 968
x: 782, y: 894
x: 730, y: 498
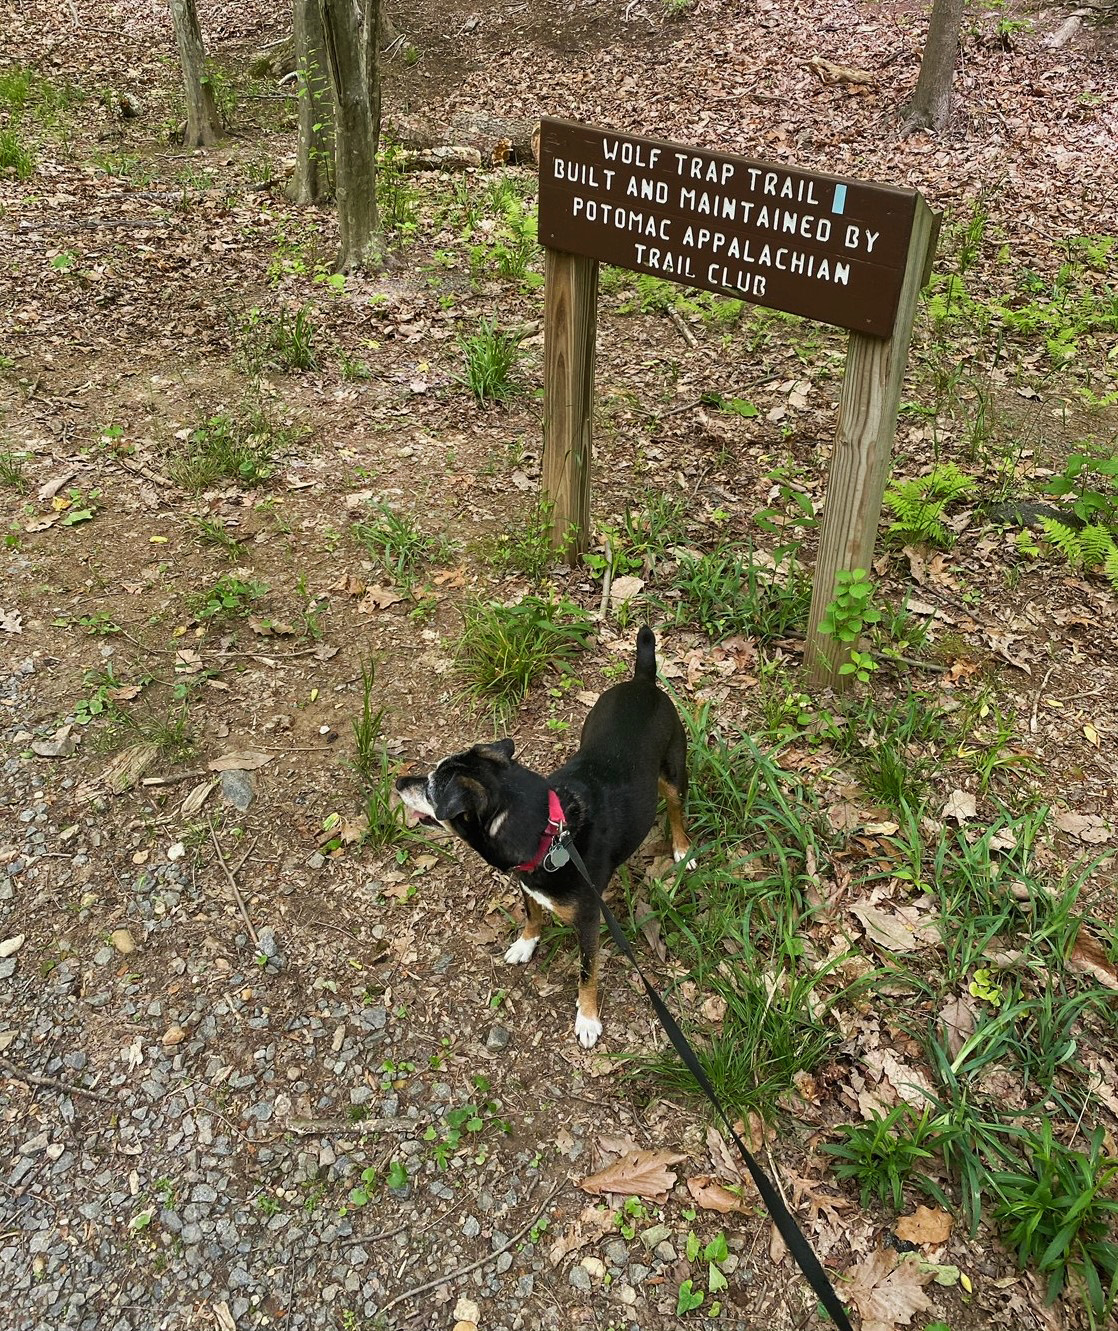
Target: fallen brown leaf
x: 636, y: 1174
x: 349, y: 585
x: 960, y: 805
x: 711, y: 1195
x: 925, y: 1226
x: 957, y: 1017
x: 886, y: 1291
x: 587, y: 1228
x: 378, y: 598
x: 1089, y: 957
x: 902, y: 929
x: 1088, y: 827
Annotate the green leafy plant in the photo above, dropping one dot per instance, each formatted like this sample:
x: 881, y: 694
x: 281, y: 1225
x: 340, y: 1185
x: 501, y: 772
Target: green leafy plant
x: 851, y: 609
x: 504, y: 649
x: 516, y: 244
x: 353, y: 368
x: 397, y: 196
x: 228, y: 597
x: 101, y: 701
x: 918, y: 504
x: 1058, y: 1213
x: 462, y: 1123
x: 525, y: 546
x: 15, y: 156
x: 282, y: 341
x: 491, y: 357
x: 212, y: 531
x: 241, y: 448
x: 882, y: 1154
x: 861, y: 665
x: 644, y: 539
x: 12, y: 473
x: 367, y: 726
x: 728, y: 592
x: 78, y: 506
x: 395, y: 542
x: 688, y: 1298
x: 362, y: 1194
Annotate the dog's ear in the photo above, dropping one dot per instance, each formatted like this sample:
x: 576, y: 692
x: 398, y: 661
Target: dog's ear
x: 500, y: 751
x: 461, y: 795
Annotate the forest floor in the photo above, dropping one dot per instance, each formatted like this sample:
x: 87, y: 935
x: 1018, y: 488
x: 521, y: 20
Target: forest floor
x: 263, y: 1062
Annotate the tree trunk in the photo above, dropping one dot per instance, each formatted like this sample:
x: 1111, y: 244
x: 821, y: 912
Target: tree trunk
x: 350, y: 30
x: 203, y: 121
x: 930, y: 105
x: 314, y: 158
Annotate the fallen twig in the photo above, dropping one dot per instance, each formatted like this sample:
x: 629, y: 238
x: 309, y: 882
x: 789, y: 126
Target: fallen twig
x: 55, y: 1083
x: 682, y: 329
x: 233, y: 884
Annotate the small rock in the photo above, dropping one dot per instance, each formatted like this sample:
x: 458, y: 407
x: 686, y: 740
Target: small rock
x: 497, y: 1039
x: 123, y: 941
x: 617, y: 1252
x: 173, y: 1035
x: 653, y: 1235
x: 11, y: 945
x: 60, y: 745
x: 237, y: 789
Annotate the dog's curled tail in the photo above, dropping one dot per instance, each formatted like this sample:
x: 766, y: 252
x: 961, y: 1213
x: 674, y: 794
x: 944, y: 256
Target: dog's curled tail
x: 646, y: 655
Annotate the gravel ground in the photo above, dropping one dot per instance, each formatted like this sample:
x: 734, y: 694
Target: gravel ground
x: 189, y: 1115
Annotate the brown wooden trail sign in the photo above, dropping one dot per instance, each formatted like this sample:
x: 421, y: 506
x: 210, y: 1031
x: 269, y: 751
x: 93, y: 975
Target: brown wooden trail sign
x: 844, y: 252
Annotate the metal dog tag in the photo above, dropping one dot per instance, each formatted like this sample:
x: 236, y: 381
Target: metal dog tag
x: 557, y: 856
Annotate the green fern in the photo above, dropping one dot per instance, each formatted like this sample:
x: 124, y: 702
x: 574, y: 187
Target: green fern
x: 1110, y: 567
x: 918, y: 504
x: 1063, y: 538
x: 1096, y: 542
x: 1091, y: 547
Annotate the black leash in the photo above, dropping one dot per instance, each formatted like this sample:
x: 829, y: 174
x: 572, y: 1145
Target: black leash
x: 785, y: 1222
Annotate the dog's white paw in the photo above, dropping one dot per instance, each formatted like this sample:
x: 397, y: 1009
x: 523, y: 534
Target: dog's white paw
x: 685, y: 857
x: 587, y: 1029
x: 521, y: 951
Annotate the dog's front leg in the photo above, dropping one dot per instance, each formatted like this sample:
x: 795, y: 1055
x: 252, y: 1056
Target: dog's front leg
x: 587, y: 1024
x: 521, y: 951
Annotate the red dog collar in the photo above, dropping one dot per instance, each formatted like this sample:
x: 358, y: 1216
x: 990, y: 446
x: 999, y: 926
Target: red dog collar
x: 556, y: 826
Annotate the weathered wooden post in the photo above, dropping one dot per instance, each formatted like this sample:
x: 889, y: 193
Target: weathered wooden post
x: 867, y: 422
x: 570, y: 327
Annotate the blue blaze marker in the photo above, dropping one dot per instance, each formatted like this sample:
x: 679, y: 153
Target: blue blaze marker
x: 839, y: 205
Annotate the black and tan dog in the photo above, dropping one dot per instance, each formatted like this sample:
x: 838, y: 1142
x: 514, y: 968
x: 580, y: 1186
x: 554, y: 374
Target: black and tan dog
x: 603, y: 800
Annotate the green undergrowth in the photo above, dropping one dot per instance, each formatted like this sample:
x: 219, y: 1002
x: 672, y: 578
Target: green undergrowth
x: 997, y: 1122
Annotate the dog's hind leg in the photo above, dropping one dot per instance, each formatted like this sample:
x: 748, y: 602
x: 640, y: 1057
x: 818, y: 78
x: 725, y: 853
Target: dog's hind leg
x: 681, y: 842
x: 521, y: 951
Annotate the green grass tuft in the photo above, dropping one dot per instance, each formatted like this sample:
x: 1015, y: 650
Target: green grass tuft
x: 504, y: 649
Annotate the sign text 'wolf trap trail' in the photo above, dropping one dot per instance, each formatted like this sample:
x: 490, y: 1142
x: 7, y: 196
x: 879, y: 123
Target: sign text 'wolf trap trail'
x: 810, y: 244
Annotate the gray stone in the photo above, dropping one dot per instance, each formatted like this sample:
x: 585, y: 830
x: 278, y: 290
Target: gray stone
x: 238, y: 789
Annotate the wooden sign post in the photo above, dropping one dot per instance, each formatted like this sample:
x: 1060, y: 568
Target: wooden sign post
x: 842, y: 251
